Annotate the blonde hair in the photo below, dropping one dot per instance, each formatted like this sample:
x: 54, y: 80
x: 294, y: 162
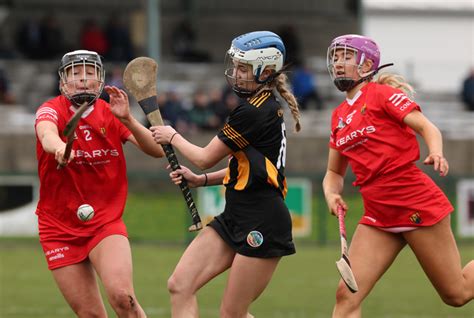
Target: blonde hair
x: 280, y: 83
x: 396, y: 81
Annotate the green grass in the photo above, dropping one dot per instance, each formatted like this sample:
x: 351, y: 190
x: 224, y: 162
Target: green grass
x: 303, y: 286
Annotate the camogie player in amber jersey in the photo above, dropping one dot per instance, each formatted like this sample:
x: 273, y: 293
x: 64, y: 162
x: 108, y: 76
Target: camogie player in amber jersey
x: 254, y: 231
x: 374, y: 131
x: 95, y: 176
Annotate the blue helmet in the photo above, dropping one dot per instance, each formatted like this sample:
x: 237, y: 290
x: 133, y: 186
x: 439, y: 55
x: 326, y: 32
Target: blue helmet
x: 258, y: 49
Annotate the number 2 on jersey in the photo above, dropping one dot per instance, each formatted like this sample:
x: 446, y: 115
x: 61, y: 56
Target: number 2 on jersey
x: 87, y: 134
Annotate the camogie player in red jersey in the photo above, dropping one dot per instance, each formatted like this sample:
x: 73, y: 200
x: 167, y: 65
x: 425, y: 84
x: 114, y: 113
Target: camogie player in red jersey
x: 78, y: 247
x: 374, y: 131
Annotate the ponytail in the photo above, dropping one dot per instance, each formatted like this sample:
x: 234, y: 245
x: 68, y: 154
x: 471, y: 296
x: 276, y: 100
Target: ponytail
x: 396, y: 81
x: 280, y: 84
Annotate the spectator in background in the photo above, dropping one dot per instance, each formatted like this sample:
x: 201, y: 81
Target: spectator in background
x: 303, y: 82
x: 6, y: 51
x: 5, y: 96
x: 51, y: 37
x: 93, y: 38
x: 201, y: 115
x: 216, y: 103
x: 172, y: 111
x: 292, y: 43
x: 223, y: 109
x: 114, y: 79
x: 118, y: 36
x: 28, y: 39
x: 40, y: 40
x: 184, y: 44
x: 467, y: 92
x: 353, y: 7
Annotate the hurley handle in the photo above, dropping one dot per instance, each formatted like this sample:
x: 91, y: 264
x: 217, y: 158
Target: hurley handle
x: 140, y: 79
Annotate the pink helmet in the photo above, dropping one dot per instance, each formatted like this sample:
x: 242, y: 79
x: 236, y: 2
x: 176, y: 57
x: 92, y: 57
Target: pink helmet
x: 365, y: 47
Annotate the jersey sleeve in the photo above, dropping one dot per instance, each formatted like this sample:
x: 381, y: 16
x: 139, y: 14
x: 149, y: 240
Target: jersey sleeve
x: 241, y: 128
x: 123, y: 131
x: 396, y: 103
x: 47, y: 112
x: 334, y: 128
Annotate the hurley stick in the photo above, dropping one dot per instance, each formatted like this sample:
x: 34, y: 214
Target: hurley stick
x: 344, y: 265
x: 69, y: 132
x: 139, y: 78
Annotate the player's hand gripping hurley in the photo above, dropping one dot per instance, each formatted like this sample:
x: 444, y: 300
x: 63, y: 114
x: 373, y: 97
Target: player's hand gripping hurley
x: 344, y: 265
x: 139, y: 78
x: 69, y: 132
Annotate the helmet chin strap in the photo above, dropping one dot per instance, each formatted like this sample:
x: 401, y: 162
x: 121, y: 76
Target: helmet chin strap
x: 242, y: 93
x: 80, y: 98
x: 345, y: 84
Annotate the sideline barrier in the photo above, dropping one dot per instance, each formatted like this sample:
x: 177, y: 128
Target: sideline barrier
x: 18, y: 200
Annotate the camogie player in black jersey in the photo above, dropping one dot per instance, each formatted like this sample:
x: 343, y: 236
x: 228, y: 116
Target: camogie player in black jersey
x: 254, y: 231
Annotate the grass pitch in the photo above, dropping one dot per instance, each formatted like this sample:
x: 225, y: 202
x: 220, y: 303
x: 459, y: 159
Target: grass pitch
x: 303, y: 286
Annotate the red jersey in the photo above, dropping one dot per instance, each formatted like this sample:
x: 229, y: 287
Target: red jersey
x: 382, y: 150
x: 370, y: 132
x: 96, y: 176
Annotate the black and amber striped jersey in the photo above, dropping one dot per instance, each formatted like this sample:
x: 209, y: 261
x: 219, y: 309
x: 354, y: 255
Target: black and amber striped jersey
x: 255, y: 131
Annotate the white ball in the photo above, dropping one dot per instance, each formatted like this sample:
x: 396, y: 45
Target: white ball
x: 85, y: 212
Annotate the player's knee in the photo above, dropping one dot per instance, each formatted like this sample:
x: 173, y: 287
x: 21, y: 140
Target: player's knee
x: 231, y: 311
x: 454, y: 300
x: 177, y: 285
x: 345, y: 297
x: 86, y: 311
x: 123, y: 301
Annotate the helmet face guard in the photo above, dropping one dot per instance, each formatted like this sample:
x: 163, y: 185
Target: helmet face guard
x: 78, y: 82
x: 259, y: 50
x: 363, y: 48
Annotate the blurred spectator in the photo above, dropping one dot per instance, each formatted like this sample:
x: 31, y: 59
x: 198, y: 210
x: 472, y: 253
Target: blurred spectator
x: 304, y: 87
x: 201, y: 116
x: 118, y: 37
x: 51, y: 37
x: 115, y: 78
x: 28, y: 39
x: 292, y: 43
x: 223, y: 103
x: 6, y: 51
x: 172, y: 111
x: 184, y: 44
x: 5, y: 96
x: 467, y: 91
x: 353, y: 7
x: 216, y: 103
x: 231, y: 101
x: 40, y: 40
x: 93, y: 38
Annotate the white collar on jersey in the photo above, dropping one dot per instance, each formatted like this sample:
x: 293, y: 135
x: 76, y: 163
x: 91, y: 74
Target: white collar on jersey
x: 86, y: 113
x: 354, y: 99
